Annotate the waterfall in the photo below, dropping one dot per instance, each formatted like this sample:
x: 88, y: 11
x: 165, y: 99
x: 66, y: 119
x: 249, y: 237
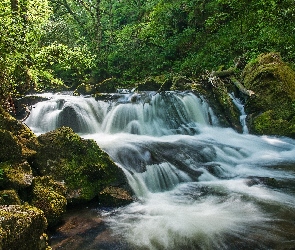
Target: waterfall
x: 165, y: 113
x: 243, y: 115
x: 199, y: 186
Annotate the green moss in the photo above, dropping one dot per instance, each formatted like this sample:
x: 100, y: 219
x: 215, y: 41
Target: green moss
x: 272, y: 108
x: 48, y: 196
x: 9, y: 197
x: 16, y: 175
x: 114, y: 196
x: 9, y: 148
x: 80, y: 164
x: 21, y: 227
x: 22, y: 135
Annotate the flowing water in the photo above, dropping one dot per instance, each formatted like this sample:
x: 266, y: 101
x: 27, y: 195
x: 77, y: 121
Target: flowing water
x: 198, y: 186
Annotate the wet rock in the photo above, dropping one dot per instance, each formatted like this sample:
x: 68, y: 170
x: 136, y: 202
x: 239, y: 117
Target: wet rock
x: 22, y: 228
x: 114, y: 196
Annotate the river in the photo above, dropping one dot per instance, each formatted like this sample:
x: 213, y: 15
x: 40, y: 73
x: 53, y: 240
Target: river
x: 198, y: 185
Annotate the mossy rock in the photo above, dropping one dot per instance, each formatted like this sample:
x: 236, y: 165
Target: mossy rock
x: 49, y: 196
x: 22, y: 228
x: 272, y: 108
x: 80, y: 164
x: 85, y: 89
x: 114, y: 196
x: 24, y: 137
x: 109, y: 85
x: 10, y: 150
x: 151, y: 83
x: 181, y: 83
x: 16, y: 175
x: 9, y: 197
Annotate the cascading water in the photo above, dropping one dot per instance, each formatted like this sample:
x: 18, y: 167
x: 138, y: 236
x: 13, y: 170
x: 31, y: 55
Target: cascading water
x: 199, y: 186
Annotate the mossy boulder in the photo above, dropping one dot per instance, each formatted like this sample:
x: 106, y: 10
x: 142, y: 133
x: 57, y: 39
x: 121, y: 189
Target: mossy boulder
x: 10, y: 150
x: 114, y: 196
x: 22, y: 228
x: 9, y: 197
x: 21, y: 134
x: 16, y: 175
x: 49, y: 196
x: 80, y: 164
x: 85, y: 89
x: 151, y: 84
x: 272, y: 109
x: 181, y: 83
x: 109, y: 85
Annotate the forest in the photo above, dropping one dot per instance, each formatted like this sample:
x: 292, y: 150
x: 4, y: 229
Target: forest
x: 49, y: 44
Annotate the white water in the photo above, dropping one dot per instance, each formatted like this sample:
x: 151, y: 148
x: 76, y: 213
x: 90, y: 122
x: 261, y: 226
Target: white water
x: 243, y: 115
x: 198, y: 186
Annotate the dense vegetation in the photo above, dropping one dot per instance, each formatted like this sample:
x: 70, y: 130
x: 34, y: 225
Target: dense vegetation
x: 45, y: 44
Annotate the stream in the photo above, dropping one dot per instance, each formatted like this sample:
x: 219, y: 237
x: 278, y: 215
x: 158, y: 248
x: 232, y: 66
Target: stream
x: 198, y: 185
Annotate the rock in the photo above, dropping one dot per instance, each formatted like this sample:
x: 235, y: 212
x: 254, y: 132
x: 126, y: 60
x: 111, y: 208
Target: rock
x: 22, y: 228
x: 151, y: 84
x: 80, y: 164
x: 16, y: 175
x: 10, y: 150
x: 9, y: 197
x: 115, y: 196
x: 49, y: 196
x: 85, y: 89
x: 109, y: 85
x: 181, y: 83
x: 22, y: 135
x: 272, y: 109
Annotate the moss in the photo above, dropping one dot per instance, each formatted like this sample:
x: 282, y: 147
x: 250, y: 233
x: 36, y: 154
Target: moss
x: 85, y: 89
x: 48, y: 195
x: 114, y: 196
x: 181, y: 83
x: 109, y: 85
x: 272, y: 108
x: 21, y: 227
x: 80, y: 164
x: 23, y: 136
x: 9, y: 197
x: 16, y: 175
x: 9, y: 148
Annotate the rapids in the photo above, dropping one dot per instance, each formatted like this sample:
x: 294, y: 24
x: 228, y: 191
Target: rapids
x: 198, y: 186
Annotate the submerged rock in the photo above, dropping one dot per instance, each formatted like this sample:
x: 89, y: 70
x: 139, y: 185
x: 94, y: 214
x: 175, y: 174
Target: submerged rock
x: 272, y: 109
x: 22, y: 228
x: 80, y: 164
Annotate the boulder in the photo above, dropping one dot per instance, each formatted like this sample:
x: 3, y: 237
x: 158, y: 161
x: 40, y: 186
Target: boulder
x: 49, y: 196
x: 85, y: 89
x: 109, y: 85
x: 22, y: 228
x: 9, y: 197
x: 271, y: 110
x: 78, y: 163
x: 16, y: 175
x: 21, y: 134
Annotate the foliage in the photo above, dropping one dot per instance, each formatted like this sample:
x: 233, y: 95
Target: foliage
x: 45, y: 44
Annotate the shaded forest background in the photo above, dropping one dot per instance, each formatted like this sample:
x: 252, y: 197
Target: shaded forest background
x: 46, y: 44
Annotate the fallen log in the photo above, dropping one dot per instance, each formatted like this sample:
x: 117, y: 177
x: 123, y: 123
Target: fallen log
x: 224, y: 73
x: 241, y: 87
